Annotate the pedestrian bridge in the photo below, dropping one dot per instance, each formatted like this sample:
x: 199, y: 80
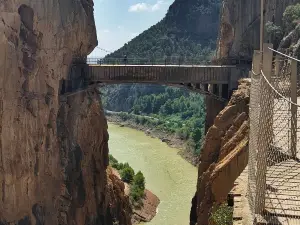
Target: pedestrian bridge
x: 217, y: 80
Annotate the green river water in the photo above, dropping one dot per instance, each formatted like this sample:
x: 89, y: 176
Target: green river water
x: 167, y: 175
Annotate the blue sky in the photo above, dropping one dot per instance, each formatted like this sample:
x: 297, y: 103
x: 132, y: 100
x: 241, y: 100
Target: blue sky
x: 118, y: 21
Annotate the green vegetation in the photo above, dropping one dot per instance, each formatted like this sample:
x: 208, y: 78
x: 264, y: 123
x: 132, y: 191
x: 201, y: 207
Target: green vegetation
x: 127, y: 174
x: 189, y: 29
x: 222, y: 214
x: 171, y: 110
x: 138, y: 187
x: 136, y: 181
x: 291, y: 17
x: 274, y: 32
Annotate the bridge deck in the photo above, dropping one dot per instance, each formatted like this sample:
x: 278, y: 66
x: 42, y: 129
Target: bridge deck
x: 166, y: 74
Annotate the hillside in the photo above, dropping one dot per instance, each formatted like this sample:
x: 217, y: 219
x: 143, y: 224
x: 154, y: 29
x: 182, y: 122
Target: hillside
x: 189, y: 30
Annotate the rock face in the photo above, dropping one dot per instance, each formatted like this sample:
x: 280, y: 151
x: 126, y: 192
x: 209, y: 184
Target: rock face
x: 239, y: 35
x: 224, y: 155
x: 53, y: 151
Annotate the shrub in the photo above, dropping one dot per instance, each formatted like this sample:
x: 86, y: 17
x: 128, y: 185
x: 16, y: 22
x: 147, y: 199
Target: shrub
x: 290, y: 16
x: 274, y: 32
x: 113, y: 162
x: 183, y: 133
x: 127, y: 174
x: 139, y: 180
x: 222, y: 215
x: 124, y: 116
x: 136, y: 194
x: 138, y: 187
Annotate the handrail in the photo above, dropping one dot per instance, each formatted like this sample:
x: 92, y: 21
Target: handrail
x: 273, y: 88
x: 280, y: 53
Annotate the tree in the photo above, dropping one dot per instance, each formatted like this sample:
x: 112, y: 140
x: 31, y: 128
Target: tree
x: 290, y: 17
x: 127, y: 174
x: 138, y: 187
x: 275, y: 33
x: 113, y: 161
x: 139, y: 180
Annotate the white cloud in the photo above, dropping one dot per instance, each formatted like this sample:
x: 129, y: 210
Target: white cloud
x: 106, y: 31
x: 142, y: 7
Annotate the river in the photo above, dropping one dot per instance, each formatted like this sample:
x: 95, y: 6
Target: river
x: 167, y: 174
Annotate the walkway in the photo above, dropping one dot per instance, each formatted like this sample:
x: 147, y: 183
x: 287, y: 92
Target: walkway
x: 274, y: 147
x: 239, y: 194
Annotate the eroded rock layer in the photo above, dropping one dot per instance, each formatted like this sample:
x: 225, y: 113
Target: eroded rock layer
x: 224, y: 155
x: 53, y: 150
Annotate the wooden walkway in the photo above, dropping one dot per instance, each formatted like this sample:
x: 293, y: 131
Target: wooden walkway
x: 239, y: 192
x: 283, y: 193
x: 283, y: 172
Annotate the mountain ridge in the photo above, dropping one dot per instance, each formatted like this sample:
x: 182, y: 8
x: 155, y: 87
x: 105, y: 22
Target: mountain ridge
x: 189, y: 29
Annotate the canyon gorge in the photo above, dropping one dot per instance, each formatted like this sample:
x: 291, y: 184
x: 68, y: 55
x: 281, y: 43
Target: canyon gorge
x: 54, y: 148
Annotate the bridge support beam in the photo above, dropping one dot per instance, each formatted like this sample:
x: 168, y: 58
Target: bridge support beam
x: 215, y: 89
x: 224, y: 91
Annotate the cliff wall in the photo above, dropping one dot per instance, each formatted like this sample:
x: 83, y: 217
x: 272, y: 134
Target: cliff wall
x: 53, y: 151
x: 224, y: 155
x: 239, y: 32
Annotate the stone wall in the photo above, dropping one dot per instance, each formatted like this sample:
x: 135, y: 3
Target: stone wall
x: 239, y: 32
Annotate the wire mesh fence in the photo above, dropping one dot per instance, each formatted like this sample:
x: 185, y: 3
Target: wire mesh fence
x: 274, y: 168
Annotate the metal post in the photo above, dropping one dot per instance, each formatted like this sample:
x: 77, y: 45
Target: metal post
x: 277, y: 65
x: 220, y: 90
x: 294, y: 108
x: 262, y: 6
x: 265, y: 130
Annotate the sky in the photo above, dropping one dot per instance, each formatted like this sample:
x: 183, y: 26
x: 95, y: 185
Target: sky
x: 118, y: 21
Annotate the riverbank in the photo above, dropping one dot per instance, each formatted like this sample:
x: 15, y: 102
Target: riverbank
x: 148, y: 209
x: 171, y: 139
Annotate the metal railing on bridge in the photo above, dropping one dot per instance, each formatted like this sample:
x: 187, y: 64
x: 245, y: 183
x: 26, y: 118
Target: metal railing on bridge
x: 274, y: 168
x: 176, y: 61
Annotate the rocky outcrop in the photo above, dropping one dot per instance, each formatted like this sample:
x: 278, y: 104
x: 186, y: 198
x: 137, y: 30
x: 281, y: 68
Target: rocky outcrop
x: 119, y: 210
x: 53, y: 151
x: 224, y: 155
x: 140, y: 213
x: 148, y: 210
x: 239, y: 35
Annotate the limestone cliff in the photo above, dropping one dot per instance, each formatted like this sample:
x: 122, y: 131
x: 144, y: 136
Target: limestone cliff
x: 239, y: 32
x: 53, y: 151
x: 224, y: 155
